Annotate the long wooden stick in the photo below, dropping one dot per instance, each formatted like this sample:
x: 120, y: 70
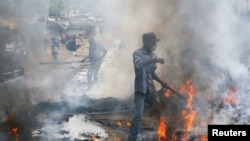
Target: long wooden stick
x: 58, y: 63
x: 181, y: 96
x: 62, y: 63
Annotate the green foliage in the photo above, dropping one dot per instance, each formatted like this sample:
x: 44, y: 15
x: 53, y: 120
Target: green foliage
x: 57, y: 7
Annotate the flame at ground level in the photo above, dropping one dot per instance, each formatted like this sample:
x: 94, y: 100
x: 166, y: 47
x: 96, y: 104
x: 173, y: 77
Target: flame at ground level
x: 162, y: 130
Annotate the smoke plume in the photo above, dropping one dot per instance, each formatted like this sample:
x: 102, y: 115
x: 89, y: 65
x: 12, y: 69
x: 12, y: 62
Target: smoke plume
x: 202, y: 41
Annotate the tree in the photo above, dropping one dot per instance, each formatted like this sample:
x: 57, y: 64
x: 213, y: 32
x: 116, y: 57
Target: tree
x: 56, y: 8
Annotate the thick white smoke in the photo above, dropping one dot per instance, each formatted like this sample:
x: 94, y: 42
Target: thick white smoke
x: 218, y: 24
x: 202, y: 41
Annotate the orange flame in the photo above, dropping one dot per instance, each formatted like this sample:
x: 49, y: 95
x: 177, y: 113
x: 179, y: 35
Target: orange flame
x: 188, y: 119
x: 188, y: 114
x: 128, y: 124
x: 232, y: 96
x: 167, y: 93
x: 162, y: 130
x: 203, y: 137
x: 9, y: 118
x: 13, y: 132
x: 93, y: 137
x: 117, y: 139
x: 119, y: 123
x: 208, y: 97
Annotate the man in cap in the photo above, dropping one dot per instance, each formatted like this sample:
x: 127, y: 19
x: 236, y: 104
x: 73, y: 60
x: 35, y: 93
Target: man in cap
x: 145, y: 61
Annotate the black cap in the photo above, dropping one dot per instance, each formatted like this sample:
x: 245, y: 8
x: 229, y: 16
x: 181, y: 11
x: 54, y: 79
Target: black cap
x: 147, y: 37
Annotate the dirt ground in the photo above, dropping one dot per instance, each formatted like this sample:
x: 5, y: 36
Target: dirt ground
x: 116, y: 124
x: 110, y: 122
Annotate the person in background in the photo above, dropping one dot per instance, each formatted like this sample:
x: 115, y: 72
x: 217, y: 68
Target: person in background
x: 63, y: 38
x: 81, y: 36
x: 96, y: 54
x: 145, y: 60
x: 54, y: 47
x: 72, y: 47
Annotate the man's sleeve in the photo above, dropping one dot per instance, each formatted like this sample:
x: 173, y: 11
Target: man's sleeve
x: 137, y: 60
x: 154, y: 65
